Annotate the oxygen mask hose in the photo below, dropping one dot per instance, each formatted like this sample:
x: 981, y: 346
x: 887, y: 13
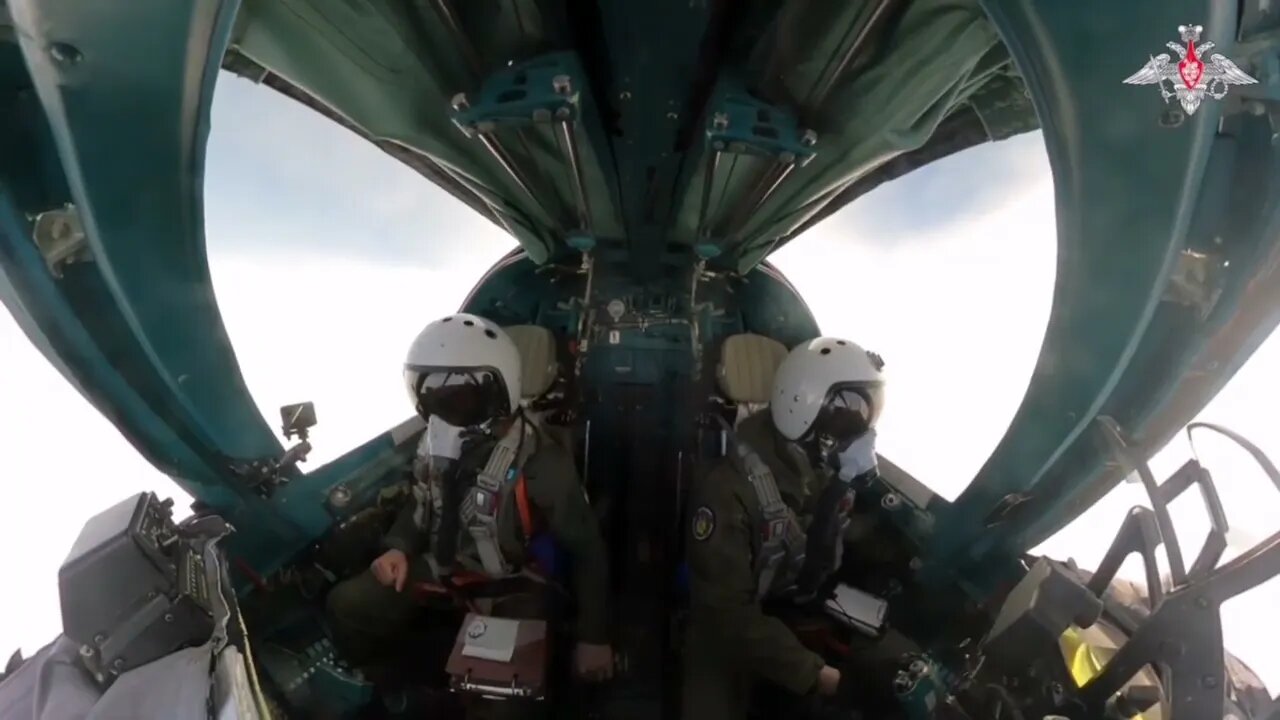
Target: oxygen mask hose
x: 444, y: 447
x: 851, y: 466
x: 823, y: 539
x: 452, y: 494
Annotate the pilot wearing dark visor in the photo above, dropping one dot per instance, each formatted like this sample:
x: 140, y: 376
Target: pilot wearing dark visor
x: 490, y: 484
x: 766, y: 528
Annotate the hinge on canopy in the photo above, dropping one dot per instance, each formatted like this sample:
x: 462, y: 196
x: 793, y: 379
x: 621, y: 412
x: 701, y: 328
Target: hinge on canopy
x: 548, y: 93
x: 744, y: 127
x: 60, y: 237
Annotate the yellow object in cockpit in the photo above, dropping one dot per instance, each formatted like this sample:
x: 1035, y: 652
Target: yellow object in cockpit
x: 1083, y: 663
x: 1086, y: 659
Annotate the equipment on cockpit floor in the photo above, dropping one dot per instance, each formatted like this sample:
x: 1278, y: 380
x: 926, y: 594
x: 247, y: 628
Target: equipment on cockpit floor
x: 919, y: 688
x: 313, y: 677
x: 133, y: 589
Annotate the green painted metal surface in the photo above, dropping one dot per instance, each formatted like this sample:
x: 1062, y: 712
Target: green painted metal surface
x: 105, y: 106
x: 1132, y: 197
x: 136, y: 327
x: 651, y: 69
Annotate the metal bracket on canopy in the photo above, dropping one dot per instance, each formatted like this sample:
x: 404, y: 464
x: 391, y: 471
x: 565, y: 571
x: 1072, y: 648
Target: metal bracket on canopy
x: 263, y: 476
x: 545, y: 91
x: 1196, y: 281
x: 60, y: 237
x: 741, y: 125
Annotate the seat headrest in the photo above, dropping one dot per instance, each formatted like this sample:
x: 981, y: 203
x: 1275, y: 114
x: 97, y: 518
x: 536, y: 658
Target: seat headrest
x: 748, y: 363
x: 538, y: 362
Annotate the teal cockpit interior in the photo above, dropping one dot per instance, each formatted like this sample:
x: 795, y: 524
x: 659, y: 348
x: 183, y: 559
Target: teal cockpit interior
x: 648, y: 157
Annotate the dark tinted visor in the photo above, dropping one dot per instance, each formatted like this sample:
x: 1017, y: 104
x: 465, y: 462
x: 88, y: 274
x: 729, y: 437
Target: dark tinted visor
x: 847, y: 414
x: 462, y: 397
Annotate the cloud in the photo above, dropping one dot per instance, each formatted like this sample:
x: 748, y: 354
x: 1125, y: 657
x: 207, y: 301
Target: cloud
x: 960, y: 188
x: 63, y: 463
x: 269, y: 155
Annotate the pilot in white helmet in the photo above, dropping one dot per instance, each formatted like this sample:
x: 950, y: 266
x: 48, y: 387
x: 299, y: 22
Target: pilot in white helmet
x: 787, y: 483
x: 489, y: 486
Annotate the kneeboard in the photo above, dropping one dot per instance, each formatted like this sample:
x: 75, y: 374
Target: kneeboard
x: 499, y: 657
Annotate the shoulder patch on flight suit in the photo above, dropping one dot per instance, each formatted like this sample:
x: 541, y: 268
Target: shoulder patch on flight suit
x: 704, y: 523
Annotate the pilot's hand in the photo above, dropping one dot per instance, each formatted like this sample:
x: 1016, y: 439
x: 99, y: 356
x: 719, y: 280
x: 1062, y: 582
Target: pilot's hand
x: 828, y: 681
x: 391, y: 569
x: 593, y: 662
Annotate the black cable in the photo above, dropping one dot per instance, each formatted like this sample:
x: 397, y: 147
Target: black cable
x: 822, y: 538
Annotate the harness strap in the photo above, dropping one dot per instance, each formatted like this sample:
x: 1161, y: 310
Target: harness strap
x: 781, y: 548
x: 482, y: 521
x: 480, y: 507
x: 522, y: 505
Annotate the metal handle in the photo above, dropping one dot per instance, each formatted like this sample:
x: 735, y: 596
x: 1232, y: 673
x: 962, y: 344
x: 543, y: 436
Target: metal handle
x: 512, y: 691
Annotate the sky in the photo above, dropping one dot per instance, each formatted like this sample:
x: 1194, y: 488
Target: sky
x: 328, y: 257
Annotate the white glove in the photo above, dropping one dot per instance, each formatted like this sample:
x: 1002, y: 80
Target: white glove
x: 859, y: 457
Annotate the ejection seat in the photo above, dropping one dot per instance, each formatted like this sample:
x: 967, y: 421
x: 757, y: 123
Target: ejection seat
x: 744, y: 379
x: 744, y: 376
x: 539, y: 371
x: 542, y: 394
x: 539, y: 365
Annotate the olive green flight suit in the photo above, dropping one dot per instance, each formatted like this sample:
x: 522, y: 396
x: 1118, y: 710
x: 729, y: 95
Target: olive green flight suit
x: 366, y: 617
x: 731, y: 640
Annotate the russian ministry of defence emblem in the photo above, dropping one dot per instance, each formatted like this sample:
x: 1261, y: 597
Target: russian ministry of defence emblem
x: 1191, y: 78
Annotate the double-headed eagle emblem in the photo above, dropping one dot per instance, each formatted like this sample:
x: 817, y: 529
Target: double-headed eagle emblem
x: 1190, y: 79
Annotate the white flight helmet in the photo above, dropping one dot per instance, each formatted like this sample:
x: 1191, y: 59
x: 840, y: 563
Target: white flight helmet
x: 464, y: 370
x: 829, y: 389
